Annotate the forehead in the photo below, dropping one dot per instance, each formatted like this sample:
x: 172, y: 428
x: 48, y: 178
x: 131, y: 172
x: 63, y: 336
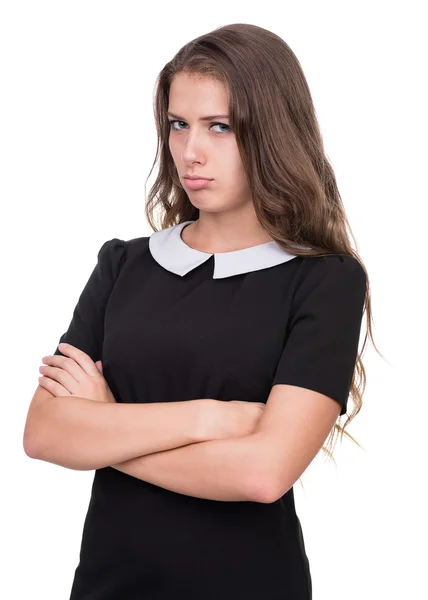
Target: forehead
x: 196, y: 94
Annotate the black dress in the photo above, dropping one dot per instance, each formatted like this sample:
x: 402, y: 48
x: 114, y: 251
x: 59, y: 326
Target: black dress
x: 171, y: 323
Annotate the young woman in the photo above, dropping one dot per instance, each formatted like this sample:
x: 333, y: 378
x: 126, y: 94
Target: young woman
x: 249, y: 291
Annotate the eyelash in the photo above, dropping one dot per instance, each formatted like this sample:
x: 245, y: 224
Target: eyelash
x: 177, y: 121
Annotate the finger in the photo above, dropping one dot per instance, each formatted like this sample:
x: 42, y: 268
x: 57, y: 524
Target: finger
x: 61, y: 376
x: 68, y: 365
x: 80, y: 357
x: 53, y: 386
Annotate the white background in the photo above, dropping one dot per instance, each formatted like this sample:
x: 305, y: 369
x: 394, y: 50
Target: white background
x: 77, y: 142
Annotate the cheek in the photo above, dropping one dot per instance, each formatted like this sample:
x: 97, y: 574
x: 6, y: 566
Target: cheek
x: 236, y: 161
x: 172, y: 148
x: 175, y: 146
x: 230, y: 160
x: 237, y: 176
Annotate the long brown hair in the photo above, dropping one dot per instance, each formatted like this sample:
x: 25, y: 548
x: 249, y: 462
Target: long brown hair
x: 295, y: 194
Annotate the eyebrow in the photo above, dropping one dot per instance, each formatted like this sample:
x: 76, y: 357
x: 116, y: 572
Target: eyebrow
x: 202, y: 118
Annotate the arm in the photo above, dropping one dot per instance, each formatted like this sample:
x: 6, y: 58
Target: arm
x: 82, y: 434
x: 301, y: 409
x: 227, y: 469
x: 259, y: 467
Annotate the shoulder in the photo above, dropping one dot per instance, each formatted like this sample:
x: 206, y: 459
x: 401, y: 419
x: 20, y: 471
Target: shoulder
x: 117, y: 249
x: 330, y: 273
x: 112, y: 247
x: 115, y: 252
x: 331, y: 265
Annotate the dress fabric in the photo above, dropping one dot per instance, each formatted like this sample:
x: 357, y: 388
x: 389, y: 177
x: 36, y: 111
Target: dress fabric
x: 171, y: 323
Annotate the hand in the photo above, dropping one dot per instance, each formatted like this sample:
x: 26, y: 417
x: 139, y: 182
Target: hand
x: 75, y: 375
x: 234, y: 418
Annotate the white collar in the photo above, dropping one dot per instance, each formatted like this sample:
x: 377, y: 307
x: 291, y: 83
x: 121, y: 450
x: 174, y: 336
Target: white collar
x: 171, y: 252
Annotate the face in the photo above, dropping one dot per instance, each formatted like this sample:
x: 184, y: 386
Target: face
x: 206, y: 148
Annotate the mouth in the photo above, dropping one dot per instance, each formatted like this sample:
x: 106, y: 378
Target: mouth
x: 196, y: 184
x: 197, y: 177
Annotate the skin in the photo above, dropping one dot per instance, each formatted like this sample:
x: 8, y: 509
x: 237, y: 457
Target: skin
x: 261, y: 466
x: 74, y: 374
x: 227, y: 220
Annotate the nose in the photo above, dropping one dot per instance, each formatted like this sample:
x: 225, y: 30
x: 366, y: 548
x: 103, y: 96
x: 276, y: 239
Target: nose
x: 193, y: 148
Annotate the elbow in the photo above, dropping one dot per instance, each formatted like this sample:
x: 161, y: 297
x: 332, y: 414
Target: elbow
x: 35, y: 430
x: 260, y: 485
x: 265, y: 493
x: 37, y: 446
x: 267, y: 486
x: 34, y: 448
x: 271, y: 492
x: 31, y: 441
x: 262, y: 476
x: 33, y: 445
x: 262, y: 488
x: 29, y: 448
x: 35, y: 440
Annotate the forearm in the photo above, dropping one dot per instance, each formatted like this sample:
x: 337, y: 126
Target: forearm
x: 227, y: 469
x: 82, y: 434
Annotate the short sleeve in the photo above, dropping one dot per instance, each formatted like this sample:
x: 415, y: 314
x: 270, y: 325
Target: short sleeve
x: 321, y: 347
x: 86, y: 329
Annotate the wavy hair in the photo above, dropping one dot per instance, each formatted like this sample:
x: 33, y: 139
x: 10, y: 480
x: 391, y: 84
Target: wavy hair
x: 295, y: 194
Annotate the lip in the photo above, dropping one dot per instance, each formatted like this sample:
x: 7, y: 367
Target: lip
x: 196, y: 184
x: 188, y: 176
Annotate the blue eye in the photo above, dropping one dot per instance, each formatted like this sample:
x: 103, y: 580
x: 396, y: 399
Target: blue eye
x: 176, y: 121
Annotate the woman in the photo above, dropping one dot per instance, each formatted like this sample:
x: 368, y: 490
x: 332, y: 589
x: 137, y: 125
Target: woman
x: 250, y: 291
